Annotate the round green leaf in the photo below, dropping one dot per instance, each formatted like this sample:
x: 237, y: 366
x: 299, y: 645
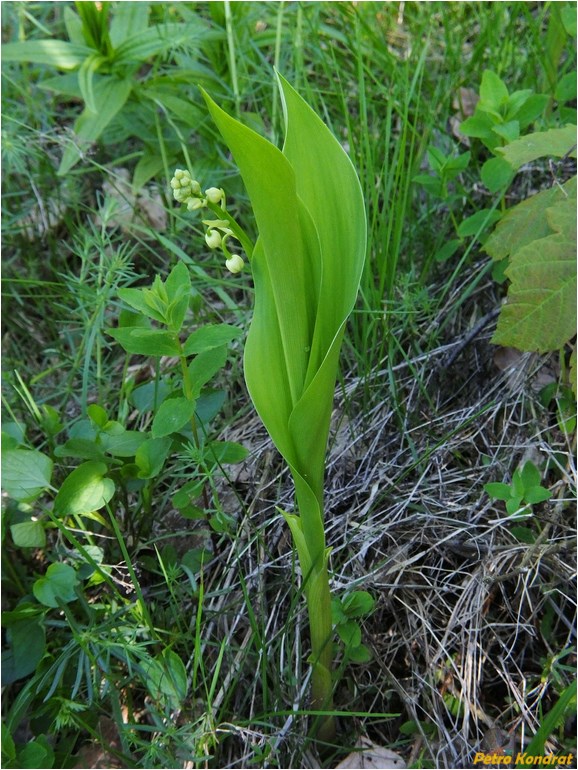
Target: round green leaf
x: 173, y: 414
x: 57, y: 585
x: 25, y: 473
x: 85, y: 490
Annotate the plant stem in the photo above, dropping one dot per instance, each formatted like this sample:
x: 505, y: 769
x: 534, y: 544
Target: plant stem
x: 321, y: 631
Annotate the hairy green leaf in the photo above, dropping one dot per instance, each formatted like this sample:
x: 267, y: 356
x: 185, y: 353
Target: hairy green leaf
x: 527, y: 221
x: 556, y: 142
x: 540, y: 313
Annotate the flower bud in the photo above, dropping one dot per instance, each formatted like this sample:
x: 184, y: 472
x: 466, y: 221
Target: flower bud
x: 195, y: 203
x: 235, y: 264
x: 213, y: 239
x: 214, y: 194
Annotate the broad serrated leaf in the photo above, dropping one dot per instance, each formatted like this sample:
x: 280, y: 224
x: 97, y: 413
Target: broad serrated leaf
x: 84, y: 490
x: 173, y: 414
x: 527, y: 221
x: 556, y: 142
x: 540, y: 312
x: 26, y: 473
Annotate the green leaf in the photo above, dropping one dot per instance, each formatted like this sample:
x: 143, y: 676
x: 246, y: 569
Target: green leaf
x: 151, y: 456
x: 204, y: 366
x: 172, y: 415
x: 210, y: 336
x: 431, y: 183
x: 27, y: 639
x: 514, y: 504
x: 436, y: 158
x: 523, y: 534
x: 110, y: 96
x: 536, y: 495
x: 125, y: 444
x: 28, y: 534
x: 226, y: 452
x: 530, y: 475
x: 478, y: 222
x: 447, y: 250
x: 556, y: 142
x: 148, y: 166
x: 84, y: 490
x: 527, y: 221
x: 86, y: 74
x: 493, y: 91
x: 136, y: 298
x: 166, y: 677
x: 566, y: 88
x: 97, y: 414
x: 358, y: 603
x: 146, y: 342
x: 129, y: 19
x: 55, y: 53
x: 162, y: 37
x: 496, y: 174
x: 480, y: 125
x: 178, y: 287
x: 360, y: 654
x: 498, y: 490
x: 26, y: 473
x: 58, y: 584
x: 540, y: 313
x: 349, y: 633
x: 568, y: 18
x: 507, y: 131
x: 38, y: 753
x: 82, y: 448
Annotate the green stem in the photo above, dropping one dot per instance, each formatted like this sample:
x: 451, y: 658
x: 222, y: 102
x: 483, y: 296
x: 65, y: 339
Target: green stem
x: 238, y: 231
x: 309, y: 539
x: 321, y: 631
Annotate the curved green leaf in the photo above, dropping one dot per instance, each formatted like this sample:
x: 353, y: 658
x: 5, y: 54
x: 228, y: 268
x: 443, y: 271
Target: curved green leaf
x: 56, y: 53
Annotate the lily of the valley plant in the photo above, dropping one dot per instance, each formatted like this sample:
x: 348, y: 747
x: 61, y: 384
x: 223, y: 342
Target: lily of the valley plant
x: 306, y: 267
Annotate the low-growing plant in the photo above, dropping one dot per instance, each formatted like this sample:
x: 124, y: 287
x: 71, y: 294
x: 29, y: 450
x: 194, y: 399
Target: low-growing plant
x: 524, y: 491
x: 538, y: 238
x: 103, y: 59
x: 306, y: 267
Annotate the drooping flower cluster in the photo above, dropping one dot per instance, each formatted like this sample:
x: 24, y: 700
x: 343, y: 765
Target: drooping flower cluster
x: 187, y: 191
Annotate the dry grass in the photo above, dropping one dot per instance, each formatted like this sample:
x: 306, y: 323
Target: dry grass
x: 467, y: 615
